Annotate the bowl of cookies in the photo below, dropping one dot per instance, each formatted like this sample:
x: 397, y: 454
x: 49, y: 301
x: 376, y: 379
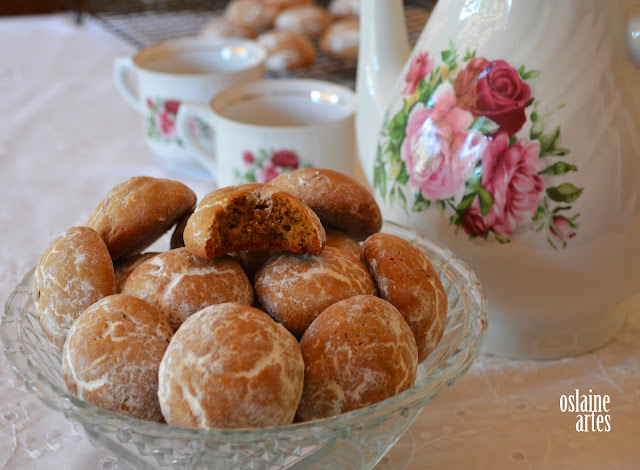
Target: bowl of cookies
x: 283, y: 326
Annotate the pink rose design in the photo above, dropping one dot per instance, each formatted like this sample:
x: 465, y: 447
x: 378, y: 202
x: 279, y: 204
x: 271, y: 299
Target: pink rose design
x: 285, y: 158
x: 167, y: 125
x: 267, y: 173
x: 248, y: 157
x: 439, y: 151
x: 171, y: 106
x: 495, y: 90
x: 149, y: 103
x: 420, y: 67
x: 561, y: 229
x: 510, y: 174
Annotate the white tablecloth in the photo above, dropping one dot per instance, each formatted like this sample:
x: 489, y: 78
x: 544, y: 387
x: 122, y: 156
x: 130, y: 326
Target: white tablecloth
x: 66, y: 138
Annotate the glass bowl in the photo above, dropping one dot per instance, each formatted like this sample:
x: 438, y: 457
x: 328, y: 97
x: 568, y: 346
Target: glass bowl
x: 354, y: 440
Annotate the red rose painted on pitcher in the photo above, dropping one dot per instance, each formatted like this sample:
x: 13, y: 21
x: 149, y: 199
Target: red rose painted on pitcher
x: 459, y: 143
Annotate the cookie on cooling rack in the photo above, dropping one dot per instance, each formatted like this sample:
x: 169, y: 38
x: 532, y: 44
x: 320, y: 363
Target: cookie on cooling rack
x: 341, y: 39
x: 287, y: 50
x: 310, y: 20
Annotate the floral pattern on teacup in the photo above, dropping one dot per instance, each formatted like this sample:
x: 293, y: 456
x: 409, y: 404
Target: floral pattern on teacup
x: 161, y: 122
x: 458, y: 143
x: 265, y: 165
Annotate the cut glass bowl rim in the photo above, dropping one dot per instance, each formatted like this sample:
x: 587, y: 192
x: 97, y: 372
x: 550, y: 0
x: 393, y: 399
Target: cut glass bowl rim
x: 448, y: 362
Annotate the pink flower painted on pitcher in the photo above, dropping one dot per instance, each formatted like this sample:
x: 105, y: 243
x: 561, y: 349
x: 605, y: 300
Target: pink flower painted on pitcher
x: 561, y: 229
x: 285, y: 158
x: 439, y: 151
x: 494, y: 90
x: 511, y: 175
x: 421, y: 66
x: 267, y: 173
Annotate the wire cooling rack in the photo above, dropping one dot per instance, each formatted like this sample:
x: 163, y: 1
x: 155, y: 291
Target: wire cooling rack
x: 145, y: 22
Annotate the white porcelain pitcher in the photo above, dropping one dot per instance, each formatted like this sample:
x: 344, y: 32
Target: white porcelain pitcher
x: 511, y: 134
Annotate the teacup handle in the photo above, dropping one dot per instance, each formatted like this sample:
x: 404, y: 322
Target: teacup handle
x: 122, y: 70
x: 187, y: 112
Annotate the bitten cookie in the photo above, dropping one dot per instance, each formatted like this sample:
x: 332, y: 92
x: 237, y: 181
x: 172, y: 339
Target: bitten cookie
x: 179, y: 283
x: 295, y: 289
x: 356, y: 353
x: 231, y: 366
x: 287, y: 50
x: 137, y: 212
x: 252, y: 217
x: 113, y: 353
x: 339, y: 201
x: 74, y: 271
x: 406, y: 278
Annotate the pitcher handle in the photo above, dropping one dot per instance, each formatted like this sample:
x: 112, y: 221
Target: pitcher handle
x: 123, y: 69
x: 633, y: 37
x: 187, y: 112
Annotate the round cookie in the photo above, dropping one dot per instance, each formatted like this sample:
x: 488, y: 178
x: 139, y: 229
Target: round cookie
x: 295, y: 289
x: 284, y: 4
x: 113, y: 353
x: 339, y: 201
x: 222, y: 28
x: 287, y: 50
x: 341, y: 39
x: 124, y: 267
x: 180, y: 284
x: 251, y: 217
x: 254, y: 14
x: 341, y: 241
x: 356, y: 353
x: 406, y: 278
x: 344, y: 8
x: 231, y: 366
x: 310, y: 20
x: 137, y: 212
x: 74, y: 271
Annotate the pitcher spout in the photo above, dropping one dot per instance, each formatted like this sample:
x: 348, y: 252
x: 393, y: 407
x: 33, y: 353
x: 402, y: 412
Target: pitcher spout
x: 383, y: 51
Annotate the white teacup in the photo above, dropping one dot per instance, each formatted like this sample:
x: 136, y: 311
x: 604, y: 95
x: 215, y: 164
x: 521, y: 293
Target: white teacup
x: 178, y: 70
x: 269, y: 127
